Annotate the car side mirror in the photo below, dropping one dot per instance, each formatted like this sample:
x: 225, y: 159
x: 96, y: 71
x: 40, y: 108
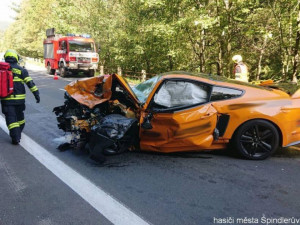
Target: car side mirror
x: 147, y: 122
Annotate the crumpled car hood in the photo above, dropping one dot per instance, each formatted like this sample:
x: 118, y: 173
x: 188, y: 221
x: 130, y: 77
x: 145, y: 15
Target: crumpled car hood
x: 90, y: 91
x: 93, y: 91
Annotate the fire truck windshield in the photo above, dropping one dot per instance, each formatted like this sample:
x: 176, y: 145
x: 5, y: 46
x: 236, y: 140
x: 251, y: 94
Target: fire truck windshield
x: 80, y: 46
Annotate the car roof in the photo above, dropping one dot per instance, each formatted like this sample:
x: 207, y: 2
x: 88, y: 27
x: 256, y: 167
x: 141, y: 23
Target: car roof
x: 223, y: 81
x: 211, y: 79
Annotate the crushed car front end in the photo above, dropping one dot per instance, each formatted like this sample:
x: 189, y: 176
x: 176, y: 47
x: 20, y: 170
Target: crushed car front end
x: 101, y: 114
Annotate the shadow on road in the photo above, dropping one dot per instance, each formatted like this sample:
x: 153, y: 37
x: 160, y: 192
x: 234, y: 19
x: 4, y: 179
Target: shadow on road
x: 291, y: 152
x: 128, y: 158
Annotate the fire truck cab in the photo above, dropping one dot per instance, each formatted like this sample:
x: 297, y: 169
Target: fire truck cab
x: 70, y: 53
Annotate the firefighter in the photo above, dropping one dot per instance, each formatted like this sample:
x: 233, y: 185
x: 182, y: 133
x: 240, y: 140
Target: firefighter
x: 240, y: 69
x: 13, y: 106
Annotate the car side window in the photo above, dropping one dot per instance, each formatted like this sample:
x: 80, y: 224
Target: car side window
x: 224, y: 93
x: 179, y: 94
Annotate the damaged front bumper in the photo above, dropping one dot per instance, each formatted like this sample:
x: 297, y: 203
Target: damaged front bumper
x: 100, y: 115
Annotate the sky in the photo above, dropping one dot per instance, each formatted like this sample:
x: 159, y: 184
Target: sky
x: 6, y: 13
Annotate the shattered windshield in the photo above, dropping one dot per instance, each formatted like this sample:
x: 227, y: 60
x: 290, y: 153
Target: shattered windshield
x: 143, y: 89
x: 80, y: 46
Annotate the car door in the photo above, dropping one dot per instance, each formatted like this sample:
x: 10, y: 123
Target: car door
x: 179, y: 117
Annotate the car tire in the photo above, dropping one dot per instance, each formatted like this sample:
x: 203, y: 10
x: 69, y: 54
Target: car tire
x: 256, y: 139
x: 96, y: 154
x: 110, y: 151
x: 75, y: 73
x: 50, y: 71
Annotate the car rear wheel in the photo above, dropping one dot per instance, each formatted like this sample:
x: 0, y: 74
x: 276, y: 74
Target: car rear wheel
x: 50, y: 70
x: 256, y: 139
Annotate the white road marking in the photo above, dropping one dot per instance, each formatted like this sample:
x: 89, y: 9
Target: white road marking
x: 62, y: 89
x: 104, y: 203
x: 45, y: 222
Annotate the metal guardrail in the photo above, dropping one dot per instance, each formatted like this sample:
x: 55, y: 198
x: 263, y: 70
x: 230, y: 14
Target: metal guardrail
x: 136, y: 75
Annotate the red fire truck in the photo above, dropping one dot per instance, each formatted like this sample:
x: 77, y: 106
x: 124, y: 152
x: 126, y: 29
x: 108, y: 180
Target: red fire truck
x: 70, y: 53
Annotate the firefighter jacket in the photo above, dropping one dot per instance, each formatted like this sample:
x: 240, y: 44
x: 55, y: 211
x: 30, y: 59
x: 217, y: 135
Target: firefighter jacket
x: 241, y: 72
x: 21, y: 77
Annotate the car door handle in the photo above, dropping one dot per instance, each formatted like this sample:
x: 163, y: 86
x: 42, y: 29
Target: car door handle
x: 206, y: 115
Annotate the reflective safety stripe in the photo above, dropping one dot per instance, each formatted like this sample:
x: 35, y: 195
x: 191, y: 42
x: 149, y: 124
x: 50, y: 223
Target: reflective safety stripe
x: 27, y: 79
x: 13, y: 125
x: 238, y: 75
x: 15, y: 97
x: 17, y: 79
x: 241, y: 72
x: 33, y: 89
x: 16, y: 71
x: 241, y: 77
x: 21, y: 122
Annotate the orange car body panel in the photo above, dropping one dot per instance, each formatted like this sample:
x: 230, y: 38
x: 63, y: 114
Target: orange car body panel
x: 192, y: 129
x: 256, y: 103
x: 83, y: 91
x: 180, y: 131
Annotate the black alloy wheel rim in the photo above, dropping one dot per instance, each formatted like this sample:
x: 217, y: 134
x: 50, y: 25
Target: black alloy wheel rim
x: 258, y: 141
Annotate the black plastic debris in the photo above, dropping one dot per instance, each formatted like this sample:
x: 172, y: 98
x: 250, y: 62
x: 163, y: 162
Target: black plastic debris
x: 114, y: 134
x: 64, y: 147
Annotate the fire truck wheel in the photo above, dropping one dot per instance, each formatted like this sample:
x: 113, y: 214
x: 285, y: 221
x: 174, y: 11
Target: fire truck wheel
x: 91, y: 73
x: 49, y: 70
x: 75, y: 72
x: 62, y: 71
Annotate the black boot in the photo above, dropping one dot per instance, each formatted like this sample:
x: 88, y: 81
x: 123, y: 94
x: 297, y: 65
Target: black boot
x: 15, y: 142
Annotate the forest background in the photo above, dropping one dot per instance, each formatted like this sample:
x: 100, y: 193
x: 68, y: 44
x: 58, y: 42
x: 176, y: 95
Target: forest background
x: 165, y: 35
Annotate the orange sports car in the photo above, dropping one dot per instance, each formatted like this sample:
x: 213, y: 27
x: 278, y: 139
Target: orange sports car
x: 176, y: 112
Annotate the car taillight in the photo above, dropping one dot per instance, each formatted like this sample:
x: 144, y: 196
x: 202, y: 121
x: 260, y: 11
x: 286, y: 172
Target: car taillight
x: 94, y: 59
x: 72, y: 58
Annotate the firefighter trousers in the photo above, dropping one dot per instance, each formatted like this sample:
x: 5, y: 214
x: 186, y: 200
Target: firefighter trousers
x: 14, y: 116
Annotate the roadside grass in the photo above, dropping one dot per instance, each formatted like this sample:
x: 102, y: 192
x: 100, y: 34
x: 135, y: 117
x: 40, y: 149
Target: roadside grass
x: 289, y: 152
x: 132, y: 81
x: 289, y: 88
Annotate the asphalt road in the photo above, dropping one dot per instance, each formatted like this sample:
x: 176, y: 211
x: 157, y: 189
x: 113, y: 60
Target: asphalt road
x: 31, y: 194
x: 197, y: 188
